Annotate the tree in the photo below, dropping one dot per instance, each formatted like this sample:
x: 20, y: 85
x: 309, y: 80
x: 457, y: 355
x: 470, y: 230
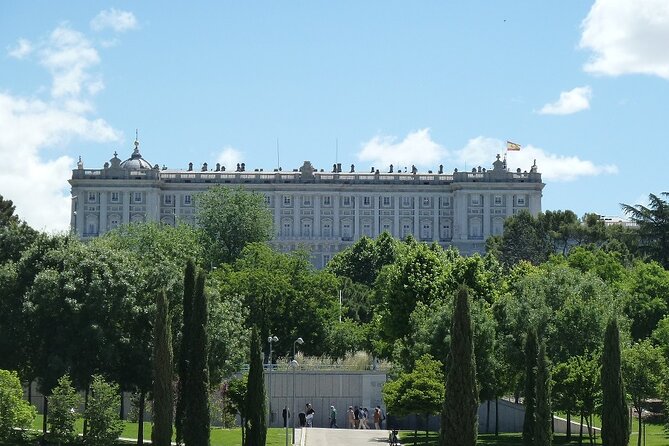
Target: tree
x: 459, y: 419
x: 15, y: 412
x: 229, y: 219
x: 236, y: 392
x: 63, y: 411
x: 196, y: 429
x: 419, y: 392
x: 643, y: 372
x: 7, y: 215
x: 256, y: 399
x: 615, y: 417
x: 186, y: 329
x: 530, y: 394
x: 653, y: 221
x: 543, y: 435
x: 524, y: 238
x: 104, y: 426
x: 161, y: 434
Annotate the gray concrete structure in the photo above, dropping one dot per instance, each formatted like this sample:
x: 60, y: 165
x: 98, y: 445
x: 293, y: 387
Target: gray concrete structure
x: 323, y: 211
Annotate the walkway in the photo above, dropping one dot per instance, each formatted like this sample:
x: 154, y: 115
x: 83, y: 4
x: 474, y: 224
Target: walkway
x: 345, y: 437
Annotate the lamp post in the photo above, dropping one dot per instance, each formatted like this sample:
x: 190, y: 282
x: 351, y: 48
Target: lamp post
x: 270, y: 340
x: 294, y: 365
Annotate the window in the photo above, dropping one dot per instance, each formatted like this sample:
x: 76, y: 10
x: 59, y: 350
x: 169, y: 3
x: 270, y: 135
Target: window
x: 475, y: 230
x: 475, y: 200
x: 114, y: 197
x: 426, y: 201
x: 520, y: 201
x: 497, y: 200
x: 326, y: 259
x: 347, y: 201
x: 286, y: 229
x: 306, y: 201
x: 114, y: 221
x: 306, y: 228
x: 367, y: 229
x: 346, y: 230
x: 327, y: 229
x: 326, y: 201
x: 498, y: 226
x: 167, y: 199
x: 137, y: 197
x: 386, y: 201
x: 187, y: 199
x: 287, y: 200
x: 445, y: 231
x: 406, y: 230
x: 445, y: 202
x: 268, y: 200
x: 386, y: 227
x: 366, y: 201
x: 426, y: 231
x: 406, y: 202
x: 91, y: 197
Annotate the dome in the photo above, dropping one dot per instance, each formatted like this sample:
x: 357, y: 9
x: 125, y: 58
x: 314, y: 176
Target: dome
x: 136, y: 162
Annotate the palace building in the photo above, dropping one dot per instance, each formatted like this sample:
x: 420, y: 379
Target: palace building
x: 323, y: 211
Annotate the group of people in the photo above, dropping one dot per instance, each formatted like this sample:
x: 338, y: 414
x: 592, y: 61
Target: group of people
x: 357, y: 418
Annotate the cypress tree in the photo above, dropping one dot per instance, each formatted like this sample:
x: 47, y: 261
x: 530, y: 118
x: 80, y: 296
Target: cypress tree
x: 161, y: 435
x: 255, y: 396
x: 196, y: 422
x: 530, y: 402
x: 615, y: 418
x: 459, y: 418
x: 543, y: 433
x: 189, y: 289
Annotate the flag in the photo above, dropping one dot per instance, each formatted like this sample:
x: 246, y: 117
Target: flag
x: 512, y: 146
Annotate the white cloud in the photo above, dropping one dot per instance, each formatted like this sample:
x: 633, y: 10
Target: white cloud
x: 22, y: 49
x: 627, y: 37
x: 420, y: 150
x: 115, y: 19
x: 229, y: 157
x: 29, y: 127
x: 571, y: 101
x: 417, y: 148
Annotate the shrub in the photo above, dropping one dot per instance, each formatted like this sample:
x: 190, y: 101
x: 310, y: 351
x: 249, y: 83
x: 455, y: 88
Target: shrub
x: 63, y: 411
x: 104, y: 405
x: 15, y: 412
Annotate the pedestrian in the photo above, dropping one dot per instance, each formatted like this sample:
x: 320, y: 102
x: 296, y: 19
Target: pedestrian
x: 383, y: 416
x: 310, y: 412
x: 333, y: 418
x: 356, y: 414
x: 377, y: 418
x: 286, y: 415
x: 363, y: 418
x: 350, y: 417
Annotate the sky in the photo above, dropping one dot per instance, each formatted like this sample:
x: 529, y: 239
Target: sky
x: 582, y: 86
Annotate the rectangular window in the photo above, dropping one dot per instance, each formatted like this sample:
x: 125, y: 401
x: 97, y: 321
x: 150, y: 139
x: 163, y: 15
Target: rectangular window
x: 326, y: 259
x: 114, y: 197
x: 326, y: 201
x: 406, y: 202
x: 137, y: 197
x: 187, y: 199
x: 366, y: 201
x: 168, y: 199
x: 306, y: 201
x: 445, y: 202
x: 347, y: 201
x: 386, y: 201
x: 476, y: 200
x: 287, y: 200
x: 426, y: 201
x: 91, y: 197
x: 520, y: 201
x: 497, y: 200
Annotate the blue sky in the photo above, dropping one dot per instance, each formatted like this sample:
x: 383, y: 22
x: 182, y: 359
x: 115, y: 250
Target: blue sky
x: 582, y: 86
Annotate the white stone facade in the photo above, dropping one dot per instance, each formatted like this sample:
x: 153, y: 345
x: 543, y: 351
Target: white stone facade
x: 321, y: 211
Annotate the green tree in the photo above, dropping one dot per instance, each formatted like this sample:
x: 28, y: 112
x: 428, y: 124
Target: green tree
x: 196, y: 429
x: 419, y: 392
x: 256, y: 399
x: 524, y: 238
x: 104, y: 404
x: 653, y: 221
x: 615, y: 417
x: 15, y: 412
x: 530, y: 394
x: 643, y: 372
x: 63, y: 411
x: 543, y: 435
x: 7, y: 215
x: 230, y: 219
x: 161, y: 434
x: 459, y: 419
x: 236, y: 393
x: 186, y: 335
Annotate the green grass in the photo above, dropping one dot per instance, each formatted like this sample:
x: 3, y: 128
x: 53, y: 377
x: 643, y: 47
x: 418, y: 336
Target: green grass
x: 655, y: 436
x: 219, y: 437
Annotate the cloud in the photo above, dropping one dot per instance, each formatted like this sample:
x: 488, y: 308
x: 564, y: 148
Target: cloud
x: 627, y: 37
x: 22, y: 49
x: 115, y: 19
x: 229, y: 157
x: 420, y: 150
x: 417, y: 148
x: 30, y: 127
x: 571, y: 101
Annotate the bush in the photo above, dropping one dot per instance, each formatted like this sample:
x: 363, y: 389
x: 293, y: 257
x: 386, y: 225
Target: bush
x: 104, y: 405
x: 64, y: 404
x: 15, y: 412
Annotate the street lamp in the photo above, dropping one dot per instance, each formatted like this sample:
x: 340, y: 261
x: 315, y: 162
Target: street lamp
x: 270, y: 340
x: 293, y: 365
x: 297, y: 341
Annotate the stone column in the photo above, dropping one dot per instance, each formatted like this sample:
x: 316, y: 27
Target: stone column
x: 460, y: 214
x: 396, y: 222
x: 81, y: 215
x: 509, y: 205
x: 336, y: 223
x: 278, y: 202
x: 416, y: 216
x: 126, y: 207
x: 486, y: 202
x: 316, y: 230
x: 297, y: 230
x: 376, y: 223
x: 356, y: 217
x: 177, y: 208
x: 102, y: 227
x: 435, y: 218
x: 535, y: 202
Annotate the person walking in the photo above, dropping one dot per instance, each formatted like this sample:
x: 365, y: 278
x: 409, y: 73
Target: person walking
x: 363, y: 418
x: 356, y: 415
x: 310, y: 412
x: 383, y: 416
x: 350, y: 417
x: 377, y: 418
x: 333, y: 418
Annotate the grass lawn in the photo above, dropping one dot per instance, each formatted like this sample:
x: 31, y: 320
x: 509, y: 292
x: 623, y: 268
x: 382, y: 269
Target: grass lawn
x: 219, y: 437
x: 655, y: 436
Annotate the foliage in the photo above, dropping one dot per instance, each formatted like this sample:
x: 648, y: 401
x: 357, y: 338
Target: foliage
x: 530, y: 394
x: 7, y: 215
x: 63, y: 411
x: 186, y: 335
x: 161, y: 435
x: 104, y: 404
x: 653, y: 221
x: 524, y: 238
x: 615, y: 417
x: 543, y: 435
x: 256, y: 399
x: 459, y: 419
x: 14, y: 411
x: 229, y: 219
x: 362, y: 261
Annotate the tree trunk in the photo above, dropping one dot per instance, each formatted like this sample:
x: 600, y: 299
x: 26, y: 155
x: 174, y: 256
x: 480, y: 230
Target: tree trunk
x: 415, y: 432
x: 638, y: 412
x: 86, y: 407
x: 140, y: 418
x: 568, y: 426
x: 580, y: 430
x: 487, y: 418
x: 588, y: 423
x: 496, y: 416
x: 46, y: 416
x: 122, y: 410
x: 427, y: 425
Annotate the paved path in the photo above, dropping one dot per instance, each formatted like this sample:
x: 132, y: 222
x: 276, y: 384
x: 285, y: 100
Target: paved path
x: 345, y: 437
